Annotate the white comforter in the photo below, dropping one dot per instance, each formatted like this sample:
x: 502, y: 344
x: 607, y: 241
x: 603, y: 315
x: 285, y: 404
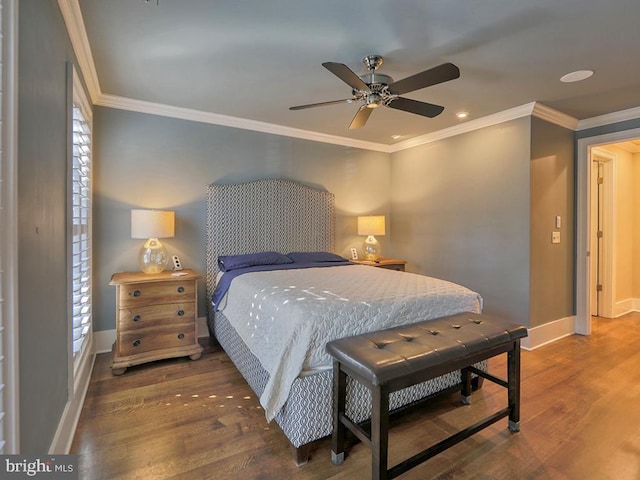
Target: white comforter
x: 286, y: 317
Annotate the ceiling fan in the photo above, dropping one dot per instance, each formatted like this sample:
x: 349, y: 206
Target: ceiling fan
x: 376, y: 89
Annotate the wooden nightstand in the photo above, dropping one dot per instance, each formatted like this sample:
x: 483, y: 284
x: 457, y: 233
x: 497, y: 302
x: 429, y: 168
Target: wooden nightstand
x: 155, y: 319
x: 389, y: 263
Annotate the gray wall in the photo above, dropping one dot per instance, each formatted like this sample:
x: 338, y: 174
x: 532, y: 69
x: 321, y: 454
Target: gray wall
x: 460, y: 211
x: 552, y: 194
x: 460, y: 207
x: 147, y: 161
x: 44, y: 50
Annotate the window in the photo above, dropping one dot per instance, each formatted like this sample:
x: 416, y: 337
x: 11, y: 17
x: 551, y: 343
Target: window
x: 81, y: 223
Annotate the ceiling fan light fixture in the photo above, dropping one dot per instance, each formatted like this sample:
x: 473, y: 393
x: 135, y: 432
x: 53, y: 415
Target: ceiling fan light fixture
x: 373, y: 100
x: 377, y: 89
x: 576, y: 76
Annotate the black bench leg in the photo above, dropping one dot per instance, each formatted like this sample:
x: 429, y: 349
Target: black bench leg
x: 465, y: 396
x: 513, y: 373
x: 339, y: 401
x: 379, y: 432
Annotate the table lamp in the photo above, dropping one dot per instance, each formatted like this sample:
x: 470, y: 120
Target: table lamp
x: 371, y: 225
x: 152, y: 225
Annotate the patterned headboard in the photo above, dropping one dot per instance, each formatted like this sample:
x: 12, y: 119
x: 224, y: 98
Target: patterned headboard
x: 271, y: 214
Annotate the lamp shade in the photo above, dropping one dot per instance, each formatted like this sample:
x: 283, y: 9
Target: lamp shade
x: 371, y: 225
x: 152, y: 223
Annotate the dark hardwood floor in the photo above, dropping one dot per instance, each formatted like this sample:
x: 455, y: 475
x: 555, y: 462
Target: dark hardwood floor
x: 182, y: 419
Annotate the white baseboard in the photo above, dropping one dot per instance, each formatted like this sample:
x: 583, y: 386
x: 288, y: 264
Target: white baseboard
x: 61, y: 443
x: 548, y: 333
x: 102, y: 343
x: 105, y: 339
x: 626, y: 306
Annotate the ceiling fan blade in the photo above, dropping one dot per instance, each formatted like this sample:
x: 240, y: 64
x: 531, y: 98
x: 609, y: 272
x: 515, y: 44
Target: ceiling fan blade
x: 361, y: 117
x: 433, y: 76
x: 322, y: 104
x: 345, y: 74
x: 414, y: 106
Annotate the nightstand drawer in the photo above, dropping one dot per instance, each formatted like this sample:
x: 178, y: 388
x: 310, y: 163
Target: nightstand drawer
x: 140, y: 294
x: 155, y: 317
x: 151, y: 316
x: 145, y: 340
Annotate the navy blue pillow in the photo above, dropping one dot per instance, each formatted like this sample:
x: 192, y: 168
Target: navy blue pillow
x: 311, y: 257
x: 233, y: 262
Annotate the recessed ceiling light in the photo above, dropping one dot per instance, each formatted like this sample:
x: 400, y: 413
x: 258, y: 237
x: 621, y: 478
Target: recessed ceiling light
x: 396, y: 137
x: 462, y: 114
x: 576, y: 76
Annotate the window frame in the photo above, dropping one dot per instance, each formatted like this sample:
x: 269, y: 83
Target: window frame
x: 83, y: 359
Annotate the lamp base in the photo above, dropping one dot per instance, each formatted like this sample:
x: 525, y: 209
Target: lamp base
x: 153, y: 256
x: 371, y: 248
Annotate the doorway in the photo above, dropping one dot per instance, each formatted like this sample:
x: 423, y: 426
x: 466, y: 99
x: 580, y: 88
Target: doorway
x: 602, y: 232
x: 584, y: 243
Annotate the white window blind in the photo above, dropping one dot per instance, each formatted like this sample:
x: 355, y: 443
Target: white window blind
x: 81, y: 235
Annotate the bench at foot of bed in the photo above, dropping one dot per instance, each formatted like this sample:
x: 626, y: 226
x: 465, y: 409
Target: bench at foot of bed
x: 389, y: 360
x: 302, y: 454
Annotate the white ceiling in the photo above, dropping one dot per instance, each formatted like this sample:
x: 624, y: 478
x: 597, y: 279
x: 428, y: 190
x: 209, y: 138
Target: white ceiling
x: 253, y: 59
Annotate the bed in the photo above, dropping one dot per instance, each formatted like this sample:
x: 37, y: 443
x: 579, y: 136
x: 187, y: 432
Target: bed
x: 274, y: 324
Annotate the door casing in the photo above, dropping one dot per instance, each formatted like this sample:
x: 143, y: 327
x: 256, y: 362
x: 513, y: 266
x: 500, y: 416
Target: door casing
x: 583, y: 222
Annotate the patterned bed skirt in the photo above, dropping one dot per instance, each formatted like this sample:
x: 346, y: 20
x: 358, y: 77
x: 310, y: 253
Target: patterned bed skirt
x: 307, y: 414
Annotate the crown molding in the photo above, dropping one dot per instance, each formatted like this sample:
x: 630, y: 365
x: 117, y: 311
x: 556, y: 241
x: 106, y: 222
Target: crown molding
x: 552, y: 115
x: 141, y: 106
x: 72, y: 15
x: 535, y: 109
x: 530, y: 109
x: 77, y: 33
x: 609, y: 118
x: 487, y: 121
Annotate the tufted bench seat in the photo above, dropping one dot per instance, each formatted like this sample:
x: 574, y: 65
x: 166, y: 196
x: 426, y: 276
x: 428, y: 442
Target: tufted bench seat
x: 393, y: 359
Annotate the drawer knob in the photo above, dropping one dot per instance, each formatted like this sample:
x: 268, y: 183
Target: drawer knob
x: 180, y: 312
x: 136, y: 293
x: 181, y: 336
x: 136, y: 318
x: 180, y: 289
x: 136, y: 343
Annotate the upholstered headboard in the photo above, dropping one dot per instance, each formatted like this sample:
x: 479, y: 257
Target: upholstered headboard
x: 271, y: 214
